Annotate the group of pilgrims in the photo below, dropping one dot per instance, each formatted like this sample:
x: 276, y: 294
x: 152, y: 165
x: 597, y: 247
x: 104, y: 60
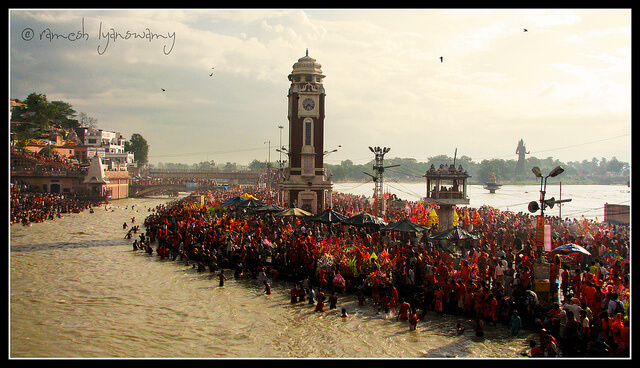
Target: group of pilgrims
x: 491, y: 278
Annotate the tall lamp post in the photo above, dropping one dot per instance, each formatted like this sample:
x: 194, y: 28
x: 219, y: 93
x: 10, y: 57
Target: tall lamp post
x: 555, y: 172
x: 280, y: 127
x: 281, y: 174
x: 279, y: 180
x: 540, y: 272
x: 269, y: 166
x: 533, y: 206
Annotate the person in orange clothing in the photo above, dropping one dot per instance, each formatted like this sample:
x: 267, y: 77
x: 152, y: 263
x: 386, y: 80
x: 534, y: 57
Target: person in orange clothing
x: 438, y: 295
x: 535, y: 351
x: 548, y: 344
x: 322, y: 277
x: 553, y: 316
x: 598, y: 297
x: 320, y: 298
x: 413, y: 321
x: 467, y: 305
x: 616, y: 329
x: 375, y: 293
x: 603, y: 326
x: 404, y: 310
x: 442, y: 272
x: 588, y: 292
x: 393, y: 301
x: 493, y: 310
x: 623, y: 346
x: 465, y: 272
x: 576, y: 281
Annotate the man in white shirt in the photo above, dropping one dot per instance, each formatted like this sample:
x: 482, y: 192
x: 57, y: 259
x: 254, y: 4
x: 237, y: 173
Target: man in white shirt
x: 498, y: 272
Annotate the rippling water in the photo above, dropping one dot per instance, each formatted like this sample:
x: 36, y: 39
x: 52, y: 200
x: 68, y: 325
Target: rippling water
x: 77, y: 290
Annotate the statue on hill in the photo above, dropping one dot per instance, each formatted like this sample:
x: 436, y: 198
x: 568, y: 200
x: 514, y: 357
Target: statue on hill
x: 521, y: 151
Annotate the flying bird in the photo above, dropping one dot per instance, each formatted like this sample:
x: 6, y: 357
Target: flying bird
x: 440, y: 58
x: 525, y: 30
x: 162, y: 89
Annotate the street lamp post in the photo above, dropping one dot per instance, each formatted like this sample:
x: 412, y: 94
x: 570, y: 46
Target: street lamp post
x: 280, y: 127
x: 279, y: 176
x: 327, y: 153
x: 543, y: 189
x: 269, y: 166
x: 533, y: 206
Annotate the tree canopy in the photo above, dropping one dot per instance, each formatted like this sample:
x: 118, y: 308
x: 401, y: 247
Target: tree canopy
x: 140, y: 148
x: 595, y: 171
x: 39, y: 115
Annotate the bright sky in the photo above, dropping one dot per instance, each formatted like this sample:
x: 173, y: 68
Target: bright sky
x: 563, y: 86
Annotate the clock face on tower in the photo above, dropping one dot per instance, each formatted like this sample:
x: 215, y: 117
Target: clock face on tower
x: 308, y: 104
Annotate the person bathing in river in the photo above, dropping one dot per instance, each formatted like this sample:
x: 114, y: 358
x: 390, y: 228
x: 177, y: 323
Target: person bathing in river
x: 320, y: 298
x: 333, y: 300
x: 403, y: 313
x: 222, y: 277
x: 344, y: 313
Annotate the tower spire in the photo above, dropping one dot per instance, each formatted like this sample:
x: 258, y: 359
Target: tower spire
x: 307, y: 52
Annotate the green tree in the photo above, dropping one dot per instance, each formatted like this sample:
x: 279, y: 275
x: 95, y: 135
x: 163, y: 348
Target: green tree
x: 63, y: 114
x: 40, y: 115
x: 256, y: 166
x: 138, y: 145
x: 229, y: 166
x: 206, y: 166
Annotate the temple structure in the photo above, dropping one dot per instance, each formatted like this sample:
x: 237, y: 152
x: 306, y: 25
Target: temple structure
x: 446, y: 187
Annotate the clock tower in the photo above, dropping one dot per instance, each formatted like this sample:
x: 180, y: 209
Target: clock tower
x: 306, y: 185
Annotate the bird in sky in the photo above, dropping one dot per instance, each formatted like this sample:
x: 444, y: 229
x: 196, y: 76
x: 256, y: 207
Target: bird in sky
x: 162, y: 89
x: 525, y: 30
x: 440, y: 58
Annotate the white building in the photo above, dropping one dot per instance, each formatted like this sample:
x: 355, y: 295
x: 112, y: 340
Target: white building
x: 108, y: 145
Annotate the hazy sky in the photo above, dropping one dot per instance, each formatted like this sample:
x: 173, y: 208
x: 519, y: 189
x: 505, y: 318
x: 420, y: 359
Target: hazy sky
x: 563, y: 86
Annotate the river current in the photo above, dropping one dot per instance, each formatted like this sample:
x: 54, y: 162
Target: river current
x: 78, y: 290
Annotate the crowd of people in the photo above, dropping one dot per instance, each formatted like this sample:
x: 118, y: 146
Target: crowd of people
x: 28, y: 206
x: 581, y: 307
x: 22, y: 159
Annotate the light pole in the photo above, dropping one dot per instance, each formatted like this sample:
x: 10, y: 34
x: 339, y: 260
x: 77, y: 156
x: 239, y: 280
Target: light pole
x: 379, y: 167
x: 269, y: 166
x: 533, y: 206
x: 280, y: 127
x: 327, y: 153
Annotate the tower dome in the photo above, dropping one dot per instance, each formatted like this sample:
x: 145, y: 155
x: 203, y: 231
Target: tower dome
x: 307, y: 65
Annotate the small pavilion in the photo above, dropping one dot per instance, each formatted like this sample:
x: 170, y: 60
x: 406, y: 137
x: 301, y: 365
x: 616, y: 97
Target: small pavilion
x: 446, y: 187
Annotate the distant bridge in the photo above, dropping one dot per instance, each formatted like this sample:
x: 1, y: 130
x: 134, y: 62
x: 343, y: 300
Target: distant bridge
x: 221, y: 177
x: 138, y: 190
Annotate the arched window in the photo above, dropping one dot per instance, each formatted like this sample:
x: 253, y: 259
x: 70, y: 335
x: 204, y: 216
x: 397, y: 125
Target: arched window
x: 308, y: 132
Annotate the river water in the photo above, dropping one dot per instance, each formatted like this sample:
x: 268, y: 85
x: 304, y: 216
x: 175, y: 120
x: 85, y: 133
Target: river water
x: 78, y: 290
